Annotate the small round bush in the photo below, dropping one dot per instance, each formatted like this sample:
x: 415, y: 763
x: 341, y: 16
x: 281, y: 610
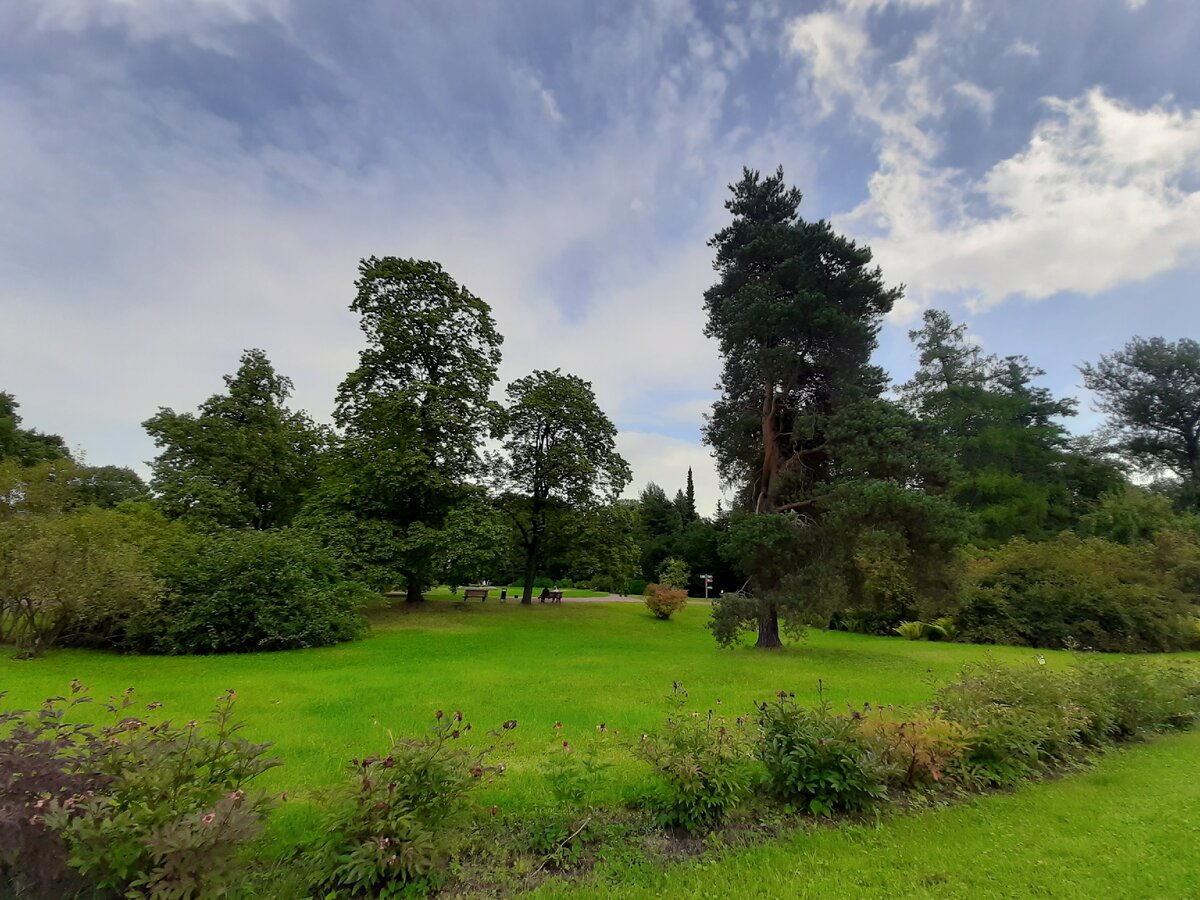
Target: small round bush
x: 664, y: 600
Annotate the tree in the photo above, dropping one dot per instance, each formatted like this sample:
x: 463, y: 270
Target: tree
x: 416, y: 409
x: 1150, y: 390
x: 244, y: 459
x: 795, y: 312
x: 25, y: 445
x: 1018, y: 473
x: 659, y: 527
x: 559, y: 459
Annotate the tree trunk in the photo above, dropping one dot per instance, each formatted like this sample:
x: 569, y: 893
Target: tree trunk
x: 413, y: 590
x: 531, y: 552
x: 768, y: 627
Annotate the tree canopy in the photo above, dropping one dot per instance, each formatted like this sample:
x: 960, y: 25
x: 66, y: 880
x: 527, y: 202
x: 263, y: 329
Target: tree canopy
x: 559, y: 458
x: 244, y: 459
x: 1150, y: 390
x: 416, y: 408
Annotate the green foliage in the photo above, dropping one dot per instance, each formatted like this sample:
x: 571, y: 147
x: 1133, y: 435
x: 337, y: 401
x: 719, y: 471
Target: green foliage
x: 398, y: 816
x: 1151, y: 392
x: 1073, y: 592
x: 817, y: 761
x: 559, y: 460
x: 943, y: 628
x: 25, y: 446
x: 414, y: 412
x: 702, y: 763
x: 146, y: 810
x: 664, y: 600
x: 244, y: 591
x: 1014, y: 468
x: 244, y: 459
x: 674, y: 573
x: 77, y: 577
x: 1128, y: 515
x: 911, y: 631
x: 1022, y: 721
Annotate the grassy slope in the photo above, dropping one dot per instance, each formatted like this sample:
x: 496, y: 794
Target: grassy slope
x: 1130, y: 827
x: 581, y: 664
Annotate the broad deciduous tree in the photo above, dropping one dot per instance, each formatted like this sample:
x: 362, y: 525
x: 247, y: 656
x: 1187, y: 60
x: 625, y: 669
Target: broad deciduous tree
x: 559, y: 459
x: 416, y: 409
x: 244, y: 459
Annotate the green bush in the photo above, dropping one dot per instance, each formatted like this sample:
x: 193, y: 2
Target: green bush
x: 664, y: 600
x: 240, y: 591
x: 397, y: 819
x: 1076, y: 593
x: 910, y: 631
x: 820, y: 762
x: 132, y: 809
x: 638, y: 586
x: 703, y: 765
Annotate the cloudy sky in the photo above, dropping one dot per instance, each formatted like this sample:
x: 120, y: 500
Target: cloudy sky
x: 183, y: 179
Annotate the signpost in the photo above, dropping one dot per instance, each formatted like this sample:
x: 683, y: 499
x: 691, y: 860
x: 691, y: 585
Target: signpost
x: 707, y: 584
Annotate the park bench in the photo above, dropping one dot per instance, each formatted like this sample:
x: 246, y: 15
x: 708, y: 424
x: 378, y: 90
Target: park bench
x: 479, y: 594
x: 552, y: 596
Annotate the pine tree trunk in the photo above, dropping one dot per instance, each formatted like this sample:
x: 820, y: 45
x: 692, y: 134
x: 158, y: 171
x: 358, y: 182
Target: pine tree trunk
x: 768, y: 627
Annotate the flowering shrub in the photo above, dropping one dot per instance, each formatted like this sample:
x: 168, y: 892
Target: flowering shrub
x: 703, y: 763
x: 820, y: 762
x: 398, y: 819
x: 916, y: 749
x: 138, y: 808
x: 664, y: 600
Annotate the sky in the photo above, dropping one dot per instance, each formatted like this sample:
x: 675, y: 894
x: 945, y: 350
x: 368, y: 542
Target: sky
x: 181, y: 180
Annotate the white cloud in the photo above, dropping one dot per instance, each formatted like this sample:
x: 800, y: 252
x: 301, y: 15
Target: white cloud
x: 1102, y: 195
x: 1021, y: 47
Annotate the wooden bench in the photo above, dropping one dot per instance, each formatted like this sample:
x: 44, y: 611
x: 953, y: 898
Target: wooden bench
x: 479, y: 594
x: 552, y: 596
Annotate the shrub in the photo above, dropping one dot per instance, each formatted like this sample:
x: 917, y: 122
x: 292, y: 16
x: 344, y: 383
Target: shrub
x: 77, y: 577
x: 910, y: 631
x: 943, y: 629
x: 703, y: 765
x: 1020, y: 720
x: 399, y: 817
x: 256, y: 590
x: 134, y: 808
x: 916, y: 749
x: 818, y: 761
x: 1070, y: 592
x: 664, y: 600
x: 638, y: 586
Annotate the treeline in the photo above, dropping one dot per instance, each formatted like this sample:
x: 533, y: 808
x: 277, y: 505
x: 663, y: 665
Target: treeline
x: 262, y: 530
x: 954, y: 505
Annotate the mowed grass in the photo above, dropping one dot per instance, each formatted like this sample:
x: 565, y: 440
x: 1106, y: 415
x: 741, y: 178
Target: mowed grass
x: 1129, y: 827
x: 580, y: 664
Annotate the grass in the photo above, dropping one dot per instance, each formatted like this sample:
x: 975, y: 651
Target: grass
x: 579, y: 664
x: 1128, y: 827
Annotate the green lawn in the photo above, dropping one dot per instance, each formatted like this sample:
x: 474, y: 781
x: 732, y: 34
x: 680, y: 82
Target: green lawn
x: 1130, y: 827
x: 581, y: 664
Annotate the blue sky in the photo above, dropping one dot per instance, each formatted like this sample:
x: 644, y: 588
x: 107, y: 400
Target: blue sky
x: 183, y: 179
